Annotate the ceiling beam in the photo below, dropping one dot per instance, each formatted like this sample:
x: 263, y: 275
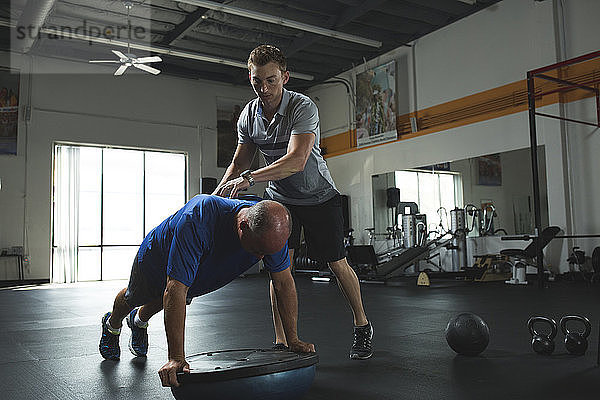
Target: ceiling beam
x: 161, y: 50
x: 282, y: 21
x: 181, y: 29
x: 33, y: 17
x: 354, y: 12
x: 347, y: 16
x: 454, y: 8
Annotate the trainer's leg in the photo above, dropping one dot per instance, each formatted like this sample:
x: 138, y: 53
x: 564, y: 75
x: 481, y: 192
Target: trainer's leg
x: 350, y: 287
x: 277, y: 324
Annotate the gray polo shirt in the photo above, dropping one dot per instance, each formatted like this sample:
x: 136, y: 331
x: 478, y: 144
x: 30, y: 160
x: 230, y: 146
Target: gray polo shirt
x: 297, y: 115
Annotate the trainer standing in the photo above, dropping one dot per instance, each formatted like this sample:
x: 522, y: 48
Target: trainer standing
x: 284, y: 126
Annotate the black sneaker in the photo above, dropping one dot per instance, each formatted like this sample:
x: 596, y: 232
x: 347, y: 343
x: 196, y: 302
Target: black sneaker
x: 109, y: 342
x: 138, y: 343
x: 362, y: 347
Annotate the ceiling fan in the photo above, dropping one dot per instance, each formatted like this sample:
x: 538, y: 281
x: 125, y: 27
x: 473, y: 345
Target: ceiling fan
x: 128, y: 59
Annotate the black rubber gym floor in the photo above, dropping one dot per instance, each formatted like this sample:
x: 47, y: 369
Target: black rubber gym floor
x: 49, y: 341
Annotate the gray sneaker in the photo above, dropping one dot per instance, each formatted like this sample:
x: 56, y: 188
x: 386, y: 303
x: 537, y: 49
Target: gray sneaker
x: 109, y: 341
x: 362, y: 347
x: 138, y: 343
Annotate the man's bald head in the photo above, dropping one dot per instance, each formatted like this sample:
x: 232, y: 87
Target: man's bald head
x: 269, y: 225
x: 269, y: 215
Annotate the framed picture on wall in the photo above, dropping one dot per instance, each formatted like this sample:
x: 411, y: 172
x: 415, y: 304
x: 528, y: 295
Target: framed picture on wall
x: 9, y: 110
x: 490, y: 170
x: 376, y: 105
x: 228, y: 112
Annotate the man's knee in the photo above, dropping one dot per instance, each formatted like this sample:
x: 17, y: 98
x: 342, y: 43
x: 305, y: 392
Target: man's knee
x: 339, y: 266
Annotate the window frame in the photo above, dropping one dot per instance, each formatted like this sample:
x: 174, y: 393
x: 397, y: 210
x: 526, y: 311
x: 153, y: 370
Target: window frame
x: 101, y: 246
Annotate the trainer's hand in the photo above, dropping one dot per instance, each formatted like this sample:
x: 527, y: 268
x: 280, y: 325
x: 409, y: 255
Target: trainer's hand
x: 298, y: 346
x: 168, y: 372
x: 232, y: 187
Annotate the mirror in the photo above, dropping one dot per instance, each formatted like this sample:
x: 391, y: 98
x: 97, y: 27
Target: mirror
x: 498, y: 184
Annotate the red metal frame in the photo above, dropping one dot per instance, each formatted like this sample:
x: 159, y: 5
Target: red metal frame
x: 531, y: 76
x: 539, y: 73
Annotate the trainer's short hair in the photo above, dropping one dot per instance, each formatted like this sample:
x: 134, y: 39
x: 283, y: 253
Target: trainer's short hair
x: 266, y: 53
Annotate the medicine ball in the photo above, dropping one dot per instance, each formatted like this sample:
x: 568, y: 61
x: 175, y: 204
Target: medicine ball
x: 467, y: 334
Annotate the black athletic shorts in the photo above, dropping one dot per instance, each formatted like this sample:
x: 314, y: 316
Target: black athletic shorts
x: 323, y: 226
x: 139, y: 290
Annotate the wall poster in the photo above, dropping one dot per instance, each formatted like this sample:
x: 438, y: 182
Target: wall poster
x: 228, y: 112
x: 9, y: 110
x: 376, y: 105
x: 490, y: 170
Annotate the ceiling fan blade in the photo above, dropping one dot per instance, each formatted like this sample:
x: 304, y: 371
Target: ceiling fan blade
x: 119, y: 54
x: 105, y: 61
x: 148, y: 59
x: 121, y: 70
x: 147, y: 68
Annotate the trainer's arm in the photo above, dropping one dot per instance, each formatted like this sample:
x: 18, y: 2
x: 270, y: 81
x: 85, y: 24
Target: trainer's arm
x: 287, y: 302
x: 298, y: 151
x: 242, y: 159
x: 174, y: 310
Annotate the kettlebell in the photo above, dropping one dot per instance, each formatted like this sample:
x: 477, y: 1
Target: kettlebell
x: 542, y: 343
x: 576, y: 341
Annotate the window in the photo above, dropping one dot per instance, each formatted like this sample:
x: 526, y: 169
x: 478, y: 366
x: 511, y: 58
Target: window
x: 430, y: 190
x: 122, y: 195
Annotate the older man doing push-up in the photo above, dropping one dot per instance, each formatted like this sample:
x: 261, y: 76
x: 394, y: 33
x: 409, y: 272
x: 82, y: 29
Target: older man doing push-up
x: 200, y: 248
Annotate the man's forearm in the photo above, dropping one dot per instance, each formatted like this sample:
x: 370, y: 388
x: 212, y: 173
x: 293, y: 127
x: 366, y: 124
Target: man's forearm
x: 298, y: 152
x: 287, y: 302
x: 280, y: 169
x: 174, y: 313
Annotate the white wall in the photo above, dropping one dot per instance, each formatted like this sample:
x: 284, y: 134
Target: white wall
x: 584, y: 170
x: 91, y: 106
x: 516, y: 182
x: 328, y: 98
x: 493, y: 47
x: 581, y: 26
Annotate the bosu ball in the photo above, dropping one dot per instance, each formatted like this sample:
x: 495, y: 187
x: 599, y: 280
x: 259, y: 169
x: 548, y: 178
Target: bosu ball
x: 250, y: 374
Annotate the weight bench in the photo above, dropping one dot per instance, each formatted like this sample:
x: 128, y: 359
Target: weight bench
x: 364, y: 261
x: 519, y: 259
x: 362, y: 258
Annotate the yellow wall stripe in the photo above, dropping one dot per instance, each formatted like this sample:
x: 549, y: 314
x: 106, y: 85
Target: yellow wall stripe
x: 494, y: 103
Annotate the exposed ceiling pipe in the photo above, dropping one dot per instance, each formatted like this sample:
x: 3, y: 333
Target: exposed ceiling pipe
x: 155, y: 49
x: 32, y: 19
x: 273, y: 19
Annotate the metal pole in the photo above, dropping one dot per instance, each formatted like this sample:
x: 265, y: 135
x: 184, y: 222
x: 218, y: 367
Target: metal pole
x: 535, y: 175
x: 598, y: 107
x: 101, y: 210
